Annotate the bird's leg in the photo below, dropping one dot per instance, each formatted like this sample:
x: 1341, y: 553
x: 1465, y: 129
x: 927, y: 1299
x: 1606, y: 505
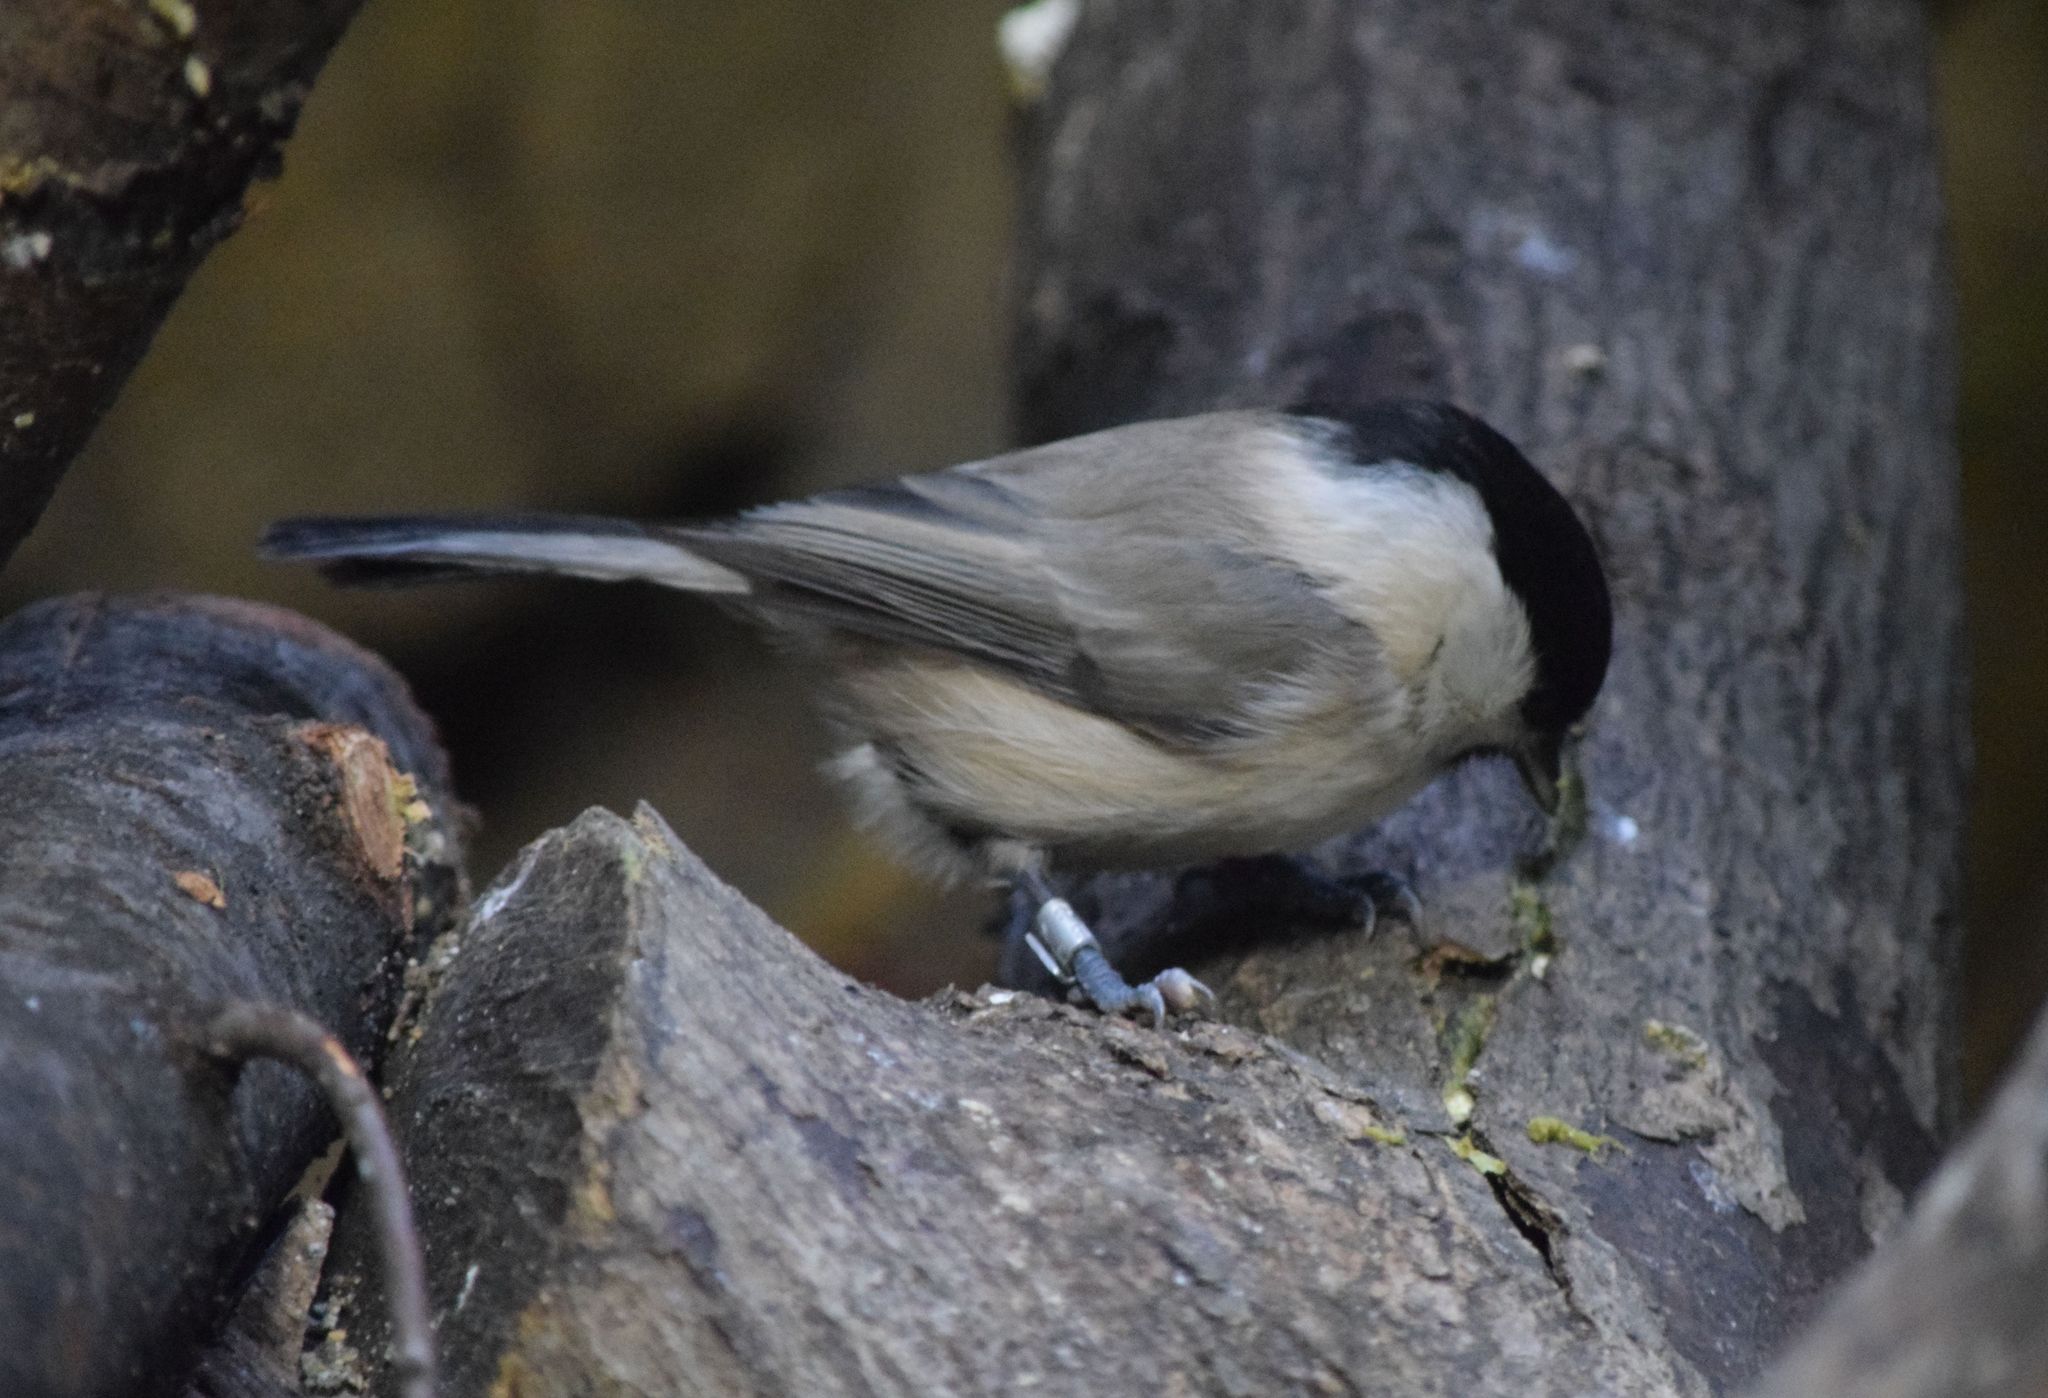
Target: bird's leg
x: 1070, y: 952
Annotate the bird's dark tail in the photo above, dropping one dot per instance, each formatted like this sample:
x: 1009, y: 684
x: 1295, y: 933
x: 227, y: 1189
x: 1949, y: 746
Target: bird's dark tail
x: 400, y: 549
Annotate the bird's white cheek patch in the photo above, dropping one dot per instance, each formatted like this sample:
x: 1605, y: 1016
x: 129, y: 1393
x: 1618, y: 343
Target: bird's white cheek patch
x: 1400, y: 549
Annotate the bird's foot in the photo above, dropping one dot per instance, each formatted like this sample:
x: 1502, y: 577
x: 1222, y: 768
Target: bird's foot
x: 1110, y: 993
x: 1070, y: 951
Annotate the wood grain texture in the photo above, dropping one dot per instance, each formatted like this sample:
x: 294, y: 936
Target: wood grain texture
x: 194, y: 809
x: 658, y: 1147
x: 129, y: 133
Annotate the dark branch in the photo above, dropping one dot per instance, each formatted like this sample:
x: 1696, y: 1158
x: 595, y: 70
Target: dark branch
x: 193, y: 801
x: 128, y: 134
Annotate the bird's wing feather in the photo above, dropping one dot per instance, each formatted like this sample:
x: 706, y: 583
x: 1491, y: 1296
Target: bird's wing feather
x: 892, y: 562
x: 1141, y: 594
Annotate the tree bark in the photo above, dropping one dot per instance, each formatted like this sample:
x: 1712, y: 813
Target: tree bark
x: 200, y: 802
x: 128, y: 134
x: 1692, y: 262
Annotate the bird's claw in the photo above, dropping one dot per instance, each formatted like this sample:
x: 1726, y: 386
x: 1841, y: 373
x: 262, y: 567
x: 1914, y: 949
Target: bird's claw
x: 1069, y: 950
x: 1171, y: 990
x: 1181, y: 991
x: 1110, y: 993
x: 1392, y: 895
x: 1149, y: 999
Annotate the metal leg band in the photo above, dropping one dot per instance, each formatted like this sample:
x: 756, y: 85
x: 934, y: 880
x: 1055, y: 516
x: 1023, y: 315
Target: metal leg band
x: 1057, y: 935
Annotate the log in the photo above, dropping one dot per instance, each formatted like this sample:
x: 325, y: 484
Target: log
x: 1651, y: 1077
x: 201, y: 802
x: 658, y: 1147
x: 128, y: 135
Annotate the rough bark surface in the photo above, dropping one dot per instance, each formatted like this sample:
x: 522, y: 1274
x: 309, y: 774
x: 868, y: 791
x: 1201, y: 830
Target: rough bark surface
x: 1692, y: 262
x: 703, y: 1162
x: 129, y: 130
x: 200, y: 801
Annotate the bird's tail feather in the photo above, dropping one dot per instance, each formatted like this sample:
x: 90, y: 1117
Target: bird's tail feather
x: 402, y: 549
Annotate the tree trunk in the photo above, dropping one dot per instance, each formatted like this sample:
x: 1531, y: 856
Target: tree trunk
x: 1691, y: 259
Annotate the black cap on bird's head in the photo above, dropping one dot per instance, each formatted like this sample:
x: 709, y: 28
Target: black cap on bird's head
x: 1545, y: 556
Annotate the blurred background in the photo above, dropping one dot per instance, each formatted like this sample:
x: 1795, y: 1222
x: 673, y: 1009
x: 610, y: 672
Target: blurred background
x: 671, y: 260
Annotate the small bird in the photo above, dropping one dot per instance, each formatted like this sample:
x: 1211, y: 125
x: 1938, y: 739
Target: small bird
x: 1235, y: 633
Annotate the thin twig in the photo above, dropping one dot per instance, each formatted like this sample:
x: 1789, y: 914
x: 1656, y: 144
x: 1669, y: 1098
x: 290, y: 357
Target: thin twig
x: 247, y: 1030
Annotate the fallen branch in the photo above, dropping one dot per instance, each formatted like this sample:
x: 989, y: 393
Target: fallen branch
x: 195, y: 805
x: 659, y: 1147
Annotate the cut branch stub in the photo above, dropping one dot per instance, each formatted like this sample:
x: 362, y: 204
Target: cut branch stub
x: 182, y: 823
x: 658, y: 1147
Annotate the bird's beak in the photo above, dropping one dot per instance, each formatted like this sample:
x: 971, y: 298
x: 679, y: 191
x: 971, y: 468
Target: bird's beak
x: 1540, y: 760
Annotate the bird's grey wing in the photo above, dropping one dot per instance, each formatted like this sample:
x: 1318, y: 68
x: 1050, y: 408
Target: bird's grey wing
x: 1191, y: 638
x: 1186, y: 620
x: 939, y: 562
x: 1046, y: 567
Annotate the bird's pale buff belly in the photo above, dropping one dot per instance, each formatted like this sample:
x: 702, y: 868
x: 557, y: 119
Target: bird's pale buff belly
x: 959, y: 750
